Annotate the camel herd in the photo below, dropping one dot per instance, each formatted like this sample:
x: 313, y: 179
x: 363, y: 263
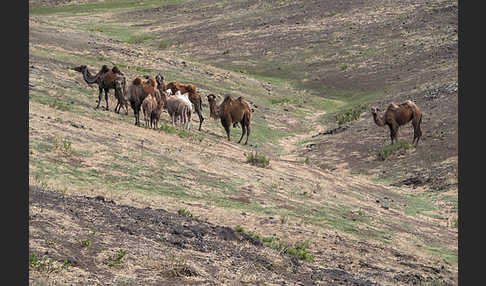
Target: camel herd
x: 153, y: 95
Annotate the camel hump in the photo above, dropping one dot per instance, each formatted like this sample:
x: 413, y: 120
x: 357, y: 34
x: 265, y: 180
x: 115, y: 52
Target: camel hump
x: 410, y: 104
x: 137, y: 81
x: 152, y: 82
x: 227, y: 99
x: 393, y: 106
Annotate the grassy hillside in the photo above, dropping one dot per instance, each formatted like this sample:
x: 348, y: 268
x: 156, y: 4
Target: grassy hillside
x: 311, y: 70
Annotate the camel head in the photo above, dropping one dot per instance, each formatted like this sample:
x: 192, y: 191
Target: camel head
x: 81, y: 68
x: 115, y: 69
x: 375, y: 110
x: 159, y: 78
x: 211, y: 98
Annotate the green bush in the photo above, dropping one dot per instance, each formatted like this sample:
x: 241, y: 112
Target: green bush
x: 299, y: 249
x: 257, y: 159
x: 351, y: 114
x: 386, y: 151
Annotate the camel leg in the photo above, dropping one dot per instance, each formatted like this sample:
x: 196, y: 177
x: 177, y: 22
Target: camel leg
x: 100, y: 92
x: 247, y: 133
x: 417, y: 132
x: 201, y: 118
x: 106, y: 99
x: 243, y: 131
x: 393, y: 133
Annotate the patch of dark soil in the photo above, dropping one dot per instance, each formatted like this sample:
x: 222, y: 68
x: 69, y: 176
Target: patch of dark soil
x: 336, y: 130
x: 128, y: 225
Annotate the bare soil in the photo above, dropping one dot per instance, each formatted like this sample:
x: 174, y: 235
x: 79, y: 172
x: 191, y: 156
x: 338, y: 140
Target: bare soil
x: 114, y: 186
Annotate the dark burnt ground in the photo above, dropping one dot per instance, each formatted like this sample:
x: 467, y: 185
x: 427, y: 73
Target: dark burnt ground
x: 85, y: 232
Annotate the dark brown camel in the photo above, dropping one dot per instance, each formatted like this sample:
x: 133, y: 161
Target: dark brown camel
x: 398, y: 115
x: 230, y: 111
x: 137, y: 92
x: 105, y: 79
x: 194, y: 97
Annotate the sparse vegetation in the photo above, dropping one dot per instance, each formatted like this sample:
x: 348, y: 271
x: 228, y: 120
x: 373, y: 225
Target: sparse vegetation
x: 88, y: 241
x: 64, y: 145
x: 186, y: 213
x: 385, y: 152
x: 351, y: 114
x: 116, y: 259
x: 300, y: 249
x: 257, y: 159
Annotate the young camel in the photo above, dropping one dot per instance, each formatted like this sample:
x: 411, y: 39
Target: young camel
x: 121, y: 94
x: 194, y: 97
x: 231, y: 111
x: 177, y: 108
x: 137, y: 92
x: 149, y: 105
x: 398, y: 115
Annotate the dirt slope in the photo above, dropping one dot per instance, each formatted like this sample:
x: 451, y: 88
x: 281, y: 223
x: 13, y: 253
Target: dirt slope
x: 299, y: 64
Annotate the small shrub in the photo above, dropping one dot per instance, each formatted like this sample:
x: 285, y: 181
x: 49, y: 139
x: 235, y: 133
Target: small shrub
x: 186, y: 213
x: 351, y: 114
x: 343, y: 66
x: 386, y: 151
x: 115, y: 259
x: 299, y: 249
x: 89, y: 241
x: 257, y: 159
x: 238, y: 228
x: 41, y: 263
x: 64, y: 145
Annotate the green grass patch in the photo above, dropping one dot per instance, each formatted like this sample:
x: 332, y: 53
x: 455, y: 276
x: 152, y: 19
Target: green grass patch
x: 256, y: 159
x: 116, y: 259
x: 50, y: 101
x: 386, y: 151
x: 418, y: 204
x: 299, y: 250
x: 186, y: 213
x: 449, y: 255
x: 164, y: 45
x: 101, y: 6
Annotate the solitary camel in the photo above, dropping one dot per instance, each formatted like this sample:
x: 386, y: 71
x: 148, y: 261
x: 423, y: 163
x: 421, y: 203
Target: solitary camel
x: 398, y: 115
x: 230, y: 111
x: 105, y: 79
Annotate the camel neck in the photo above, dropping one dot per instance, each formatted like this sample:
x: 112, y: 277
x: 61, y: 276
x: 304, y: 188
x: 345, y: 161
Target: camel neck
x: 90, y: 79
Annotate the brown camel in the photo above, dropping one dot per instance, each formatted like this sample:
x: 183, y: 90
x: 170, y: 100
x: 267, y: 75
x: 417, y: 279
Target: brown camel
x: 121, y: 94
x: 230, y: 111
x: 105, y: 79
x: 398, y: 115
x: 137, y: 92
x: 194, y: 97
